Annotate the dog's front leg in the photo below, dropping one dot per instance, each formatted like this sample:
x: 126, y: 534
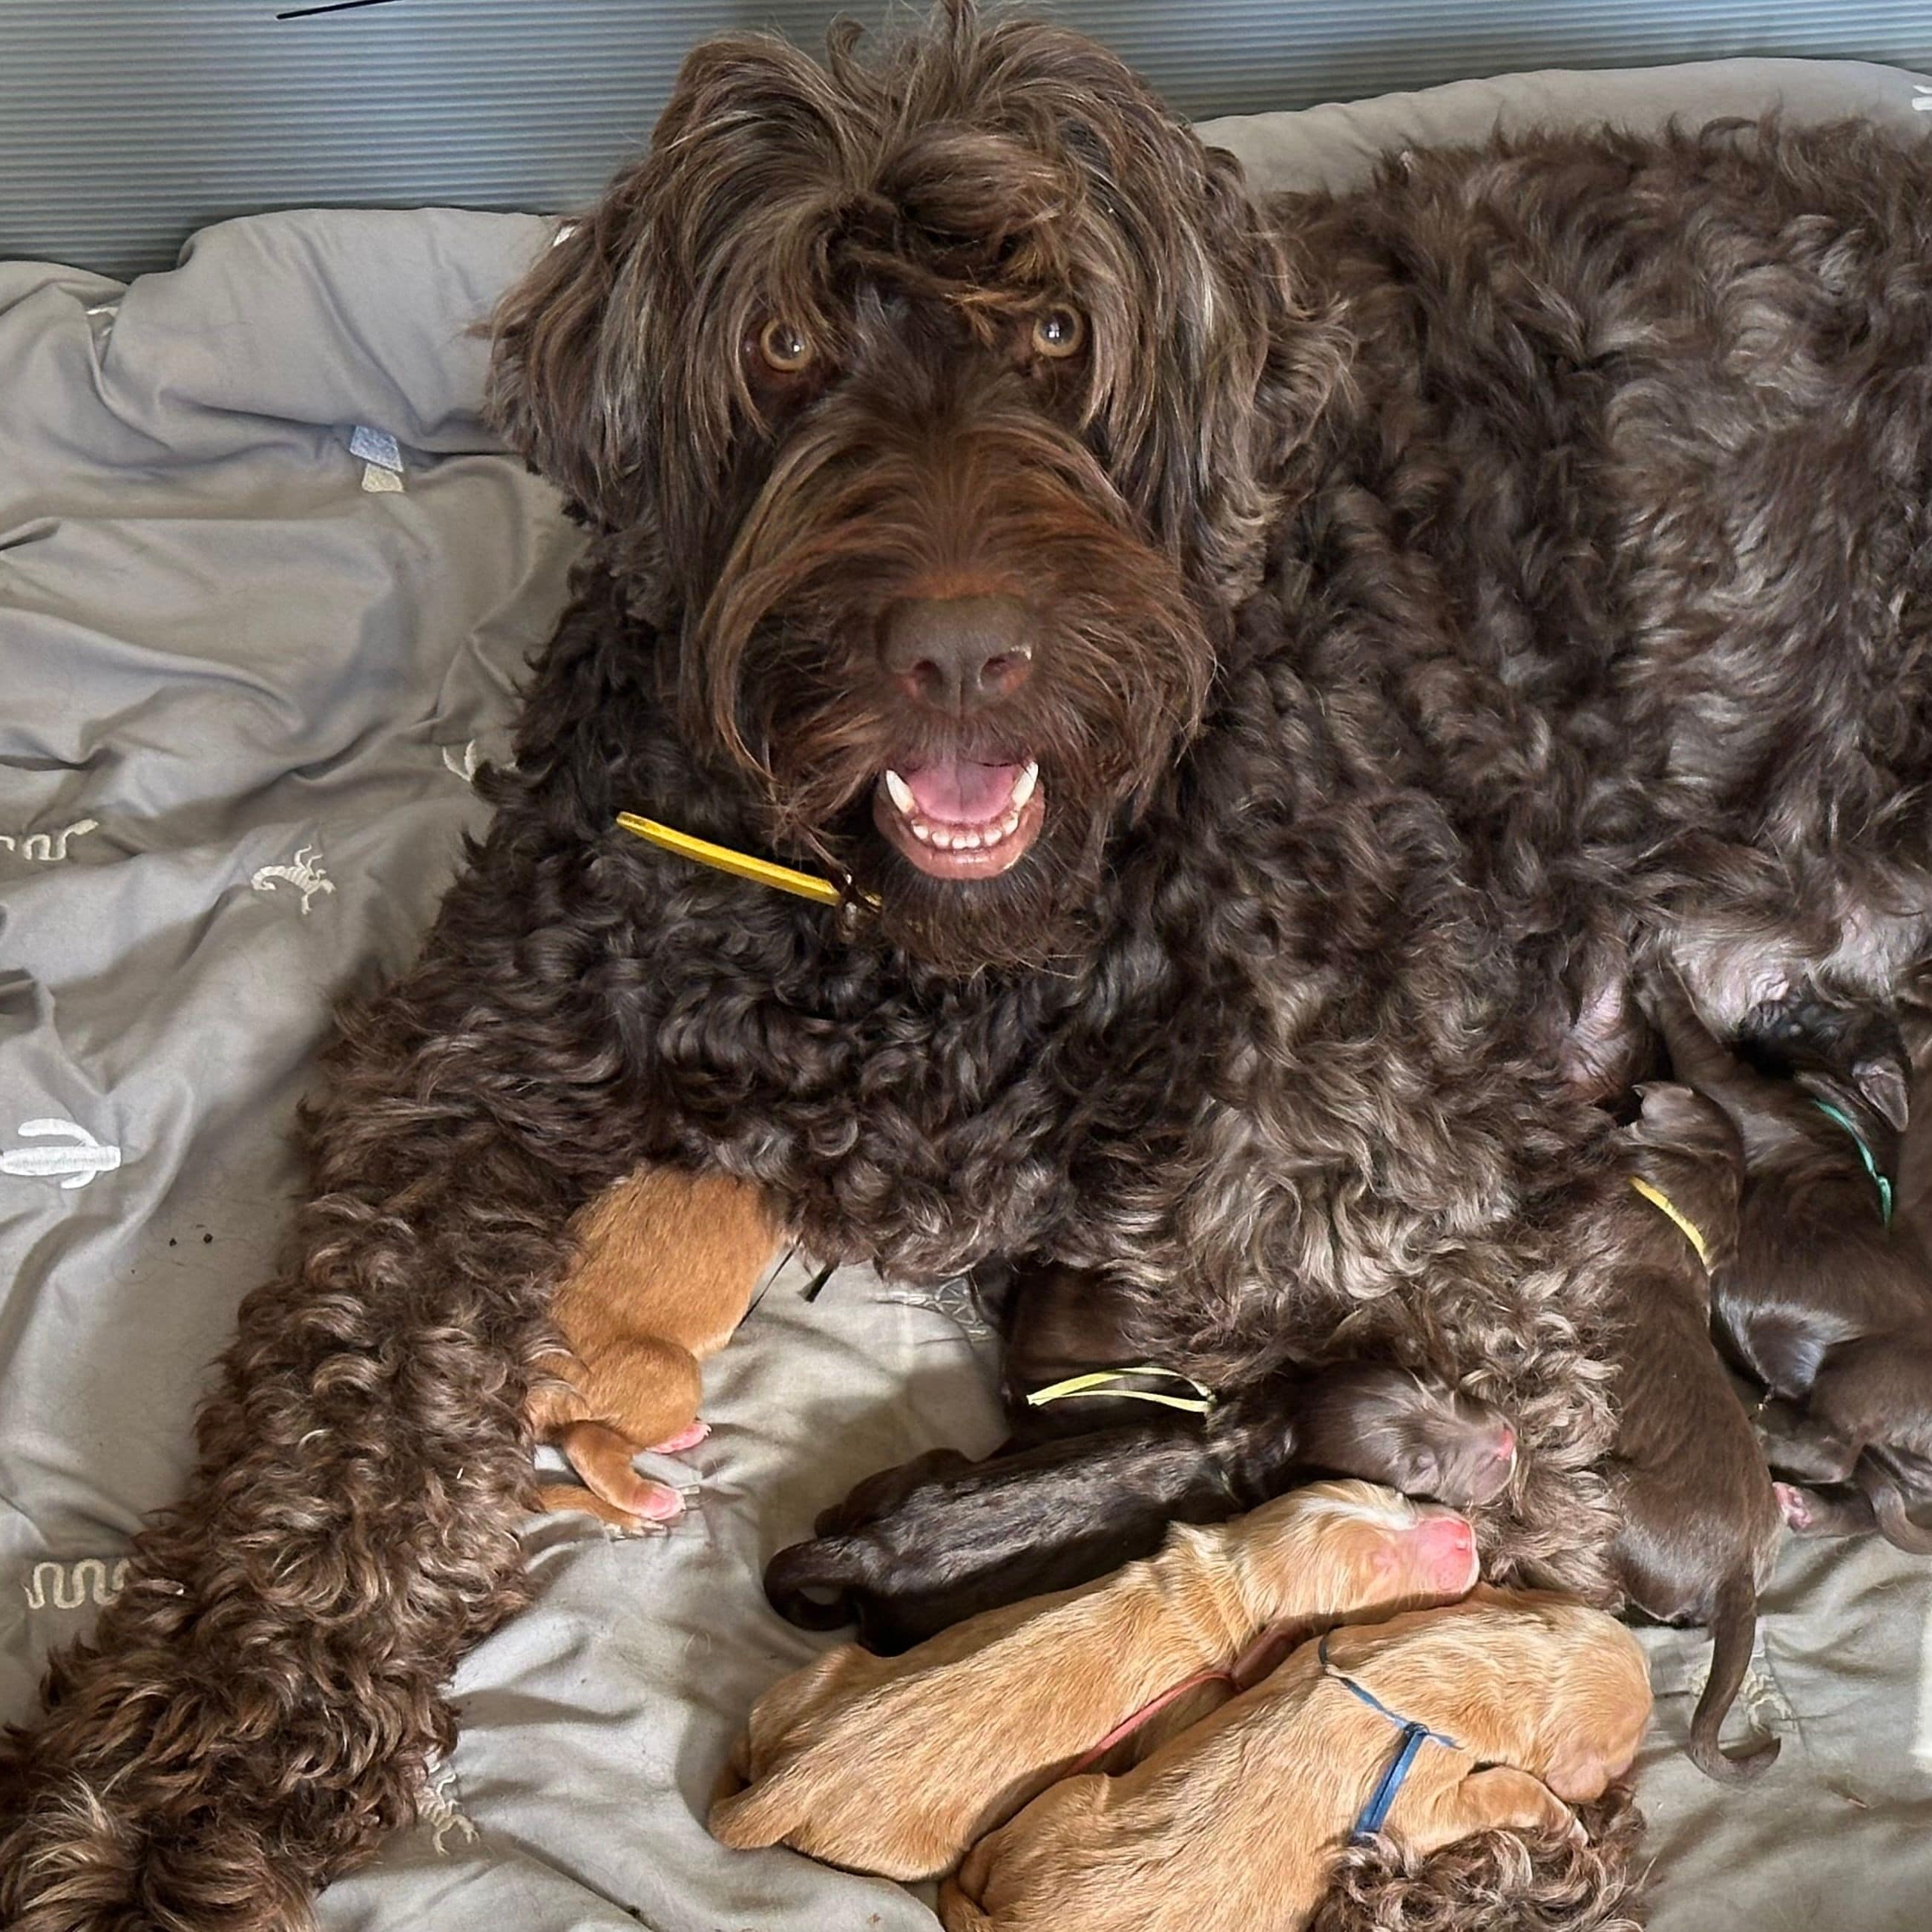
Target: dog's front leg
x: 257, y: 1710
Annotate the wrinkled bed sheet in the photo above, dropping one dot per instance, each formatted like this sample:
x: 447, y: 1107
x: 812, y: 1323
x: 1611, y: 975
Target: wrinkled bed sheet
x: 249, y: 661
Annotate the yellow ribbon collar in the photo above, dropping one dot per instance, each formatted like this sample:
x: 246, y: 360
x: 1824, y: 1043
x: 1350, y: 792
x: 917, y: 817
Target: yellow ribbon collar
x: 1684, y: 1224
x: 740, y: 864
x: 1103, y: 1382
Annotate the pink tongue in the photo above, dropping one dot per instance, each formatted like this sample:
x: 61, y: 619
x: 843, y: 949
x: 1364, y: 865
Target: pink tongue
x: 956, y: 792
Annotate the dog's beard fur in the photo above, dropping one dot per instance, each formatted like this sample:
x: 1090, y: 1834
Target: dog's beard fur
x: 769, y: 522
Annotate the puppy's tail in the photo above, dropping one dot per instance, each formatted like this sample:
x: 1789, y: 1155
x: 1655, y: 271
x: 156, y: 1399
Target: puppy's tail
x: 1733, y: 1630
x: 793, y: 1574
x: 1888, y: 1503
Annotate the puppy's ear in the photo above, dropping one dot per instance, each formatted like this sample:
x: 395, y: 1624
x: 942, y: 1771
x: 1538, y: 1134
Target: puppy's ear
x: 1680, y: 1118
x: 1870, y: 1089
x: 1885, y: 1084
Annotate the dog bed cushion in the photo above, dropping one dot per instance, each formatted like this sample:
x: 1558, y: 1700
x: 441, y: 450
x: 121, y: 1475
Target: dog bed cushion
x: 266, y: 587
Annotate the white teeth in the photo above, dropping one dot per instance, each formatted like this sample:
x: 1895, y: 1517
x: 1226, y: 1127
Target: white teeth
x: 961, y: 838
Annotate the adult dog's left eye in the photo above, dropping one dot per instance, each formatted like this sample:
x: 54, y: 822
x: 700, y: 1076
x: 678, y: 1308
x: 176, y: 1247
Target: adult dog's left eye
x: 1059, y: 332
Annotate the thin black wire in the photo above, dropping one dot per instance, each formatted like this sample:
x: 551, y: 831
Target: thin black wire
x: 331, y: 6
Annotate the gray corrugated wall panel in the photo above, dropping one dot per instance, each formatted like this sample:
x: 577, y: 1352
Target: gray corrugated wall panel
x: 125, y: 123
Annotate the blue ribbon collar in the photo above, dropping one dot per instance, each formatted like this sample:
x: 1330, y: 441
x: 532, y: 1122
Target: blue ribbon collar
x: 1410, y: 1735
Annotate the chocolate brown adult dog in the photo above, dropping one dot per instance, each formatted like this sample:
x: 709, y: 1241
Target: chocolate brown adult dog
x: 896, y: 1765
x: 1702, y: 1525
x: 1251, y: 654
x: 1236, y: 1823
x: 912, y: 1551
x: 1828, y: 1305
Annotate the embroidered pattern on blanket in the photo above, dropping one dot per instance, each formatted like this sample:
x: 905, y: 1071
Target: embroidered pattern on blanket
x: 304, y: 872
x: 48, y: 848
x: 464, y: 762
x: 955, y: 1301
x: 438, y: 1810
x: 69, y: 1586
x: 76, y: 1158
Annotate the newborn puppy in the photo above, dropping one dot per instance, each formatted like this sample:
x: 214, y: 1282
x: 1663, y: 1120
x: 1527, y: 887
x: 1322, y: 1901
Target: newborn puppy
x: 1829, y: 1307
x: 913, y: 1551
x: 895, y: 1765
x: 1238, y: 1821
x: 669, y: 1262
x: 1701, y: 1526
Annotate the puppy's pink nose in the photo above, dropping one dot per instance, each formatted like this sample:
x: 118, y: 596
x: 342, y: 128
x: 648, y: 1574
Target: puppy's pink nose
x: 1446, y: 1547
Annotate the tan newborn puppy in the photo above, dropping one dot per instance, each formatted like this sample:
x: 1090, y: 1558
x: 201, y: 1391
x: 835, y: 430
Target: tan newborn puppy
x: 667, y: 1264
x: 1238, y: 1821
x: 895, y: 1764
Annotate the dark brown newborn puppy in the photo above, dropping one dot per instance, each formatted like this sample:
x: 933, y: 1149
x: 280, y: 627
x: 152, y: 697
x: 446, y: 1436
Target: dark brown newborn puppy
x: 1701, y: 1523
x: 914, y: 1550
x: 1826, y: 1304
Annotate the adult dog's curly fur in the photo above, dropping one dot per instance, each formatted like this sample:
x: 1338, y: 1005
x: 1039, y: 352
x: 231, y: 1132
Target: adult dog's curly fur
x: 1435, y: 593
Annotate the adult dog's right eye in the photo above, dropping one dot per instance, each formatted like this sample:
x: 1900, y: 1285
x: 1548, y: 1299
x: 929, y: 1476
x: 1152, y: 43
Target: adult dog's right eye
x: 785, y: 346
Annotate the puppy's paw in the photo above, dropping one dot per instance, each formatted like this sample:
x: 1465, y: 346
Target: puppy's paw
x: 1796, y: 1504
x: 688, y: 1437
x: 657, y: 1505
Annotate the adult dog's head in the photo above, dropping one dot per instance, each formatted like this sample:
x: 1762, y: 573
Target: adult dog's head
x: 934, y: 406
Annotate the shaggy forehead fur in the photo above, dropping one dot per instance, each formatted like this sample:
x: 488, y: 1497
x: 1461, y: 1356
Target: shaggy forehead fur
x: 982, y: 171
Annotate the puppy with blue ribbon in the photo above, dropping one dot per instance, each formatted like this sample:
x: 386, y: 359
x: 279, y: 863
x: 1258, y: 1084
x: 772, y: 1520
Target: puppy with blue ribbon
x: 1501, y: 1710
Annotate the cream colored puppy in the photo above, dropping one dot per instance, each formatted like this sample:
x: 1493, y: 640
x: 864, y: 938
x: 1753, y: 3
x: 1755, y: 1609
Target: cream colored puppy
x: 895, y: 1764
x: 1528, y: 1701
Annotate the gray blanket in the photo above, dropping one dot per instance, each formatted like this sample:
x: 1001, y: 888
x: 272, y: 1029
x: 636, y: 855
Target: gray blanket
x: 266, y: 588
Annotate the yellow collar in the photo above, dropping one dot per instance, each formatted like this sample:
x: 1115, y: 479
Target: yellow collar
x: 742, y: 865
x: 1685, y: 1226
x: 1101, y: 1381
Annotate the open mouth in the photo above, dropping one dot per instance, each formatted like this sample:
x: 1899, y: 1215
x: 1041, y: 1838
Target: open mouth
x: 956, y: 818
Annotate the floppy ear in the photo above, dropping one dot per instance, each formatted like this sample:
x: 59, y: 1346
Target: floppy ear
x: 1850, y: 1093
x: 565, y: 386
x: 1679, y: 1118
x: 1884, y: 1083
x: 1260, y: 367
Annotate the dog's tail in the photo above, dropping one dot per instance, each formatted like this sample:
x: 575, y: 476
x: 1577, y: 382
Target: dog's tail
x: 1733, y: 1631
x: 1888, y: 1502
x: 794, y: 1573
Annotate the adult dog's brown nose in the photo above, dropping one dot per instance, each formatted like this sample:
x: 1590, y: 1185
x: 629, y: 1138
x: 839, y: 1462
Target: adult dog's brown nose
x: 957, y: 654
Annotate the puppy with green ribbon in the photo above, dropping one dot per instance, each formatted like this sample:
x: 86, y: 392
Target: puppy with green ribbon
x: 1827, y: 1302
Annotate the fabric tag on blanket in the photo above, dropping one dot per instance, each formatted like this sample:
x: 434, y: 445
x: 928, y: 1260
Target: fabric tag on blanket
x: 381, y: 458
